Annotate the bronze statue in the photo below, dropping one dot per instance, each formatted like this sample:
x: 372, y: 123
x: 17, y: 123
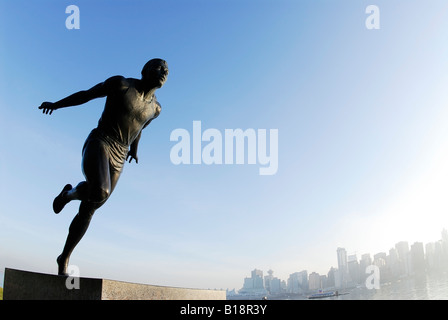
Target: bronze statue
x: 130, y: 106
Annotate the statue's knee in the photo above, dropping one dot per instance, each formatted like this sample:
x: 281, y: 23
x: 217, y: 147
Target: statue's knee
x: 99, y: 195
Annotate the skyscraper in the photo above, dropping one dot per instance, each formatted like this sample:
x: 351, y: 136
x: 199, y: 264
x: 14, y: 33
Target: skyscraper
x: 417, y: 258
x: 314, y: 281
x: 298, y: 282
x: 402, y: 248
x: 394, y: 263
x: 254, y: 284
x: 353, y: 268
x: 271, y: 283
x: 257, y: 276
x: 342, y: 266
x: 365, y: 261
x: 342, y: 259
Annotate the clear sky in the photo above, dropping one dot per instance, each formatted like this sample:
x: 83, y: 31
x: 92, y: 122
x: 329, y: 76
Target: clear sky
x: 362, y: 134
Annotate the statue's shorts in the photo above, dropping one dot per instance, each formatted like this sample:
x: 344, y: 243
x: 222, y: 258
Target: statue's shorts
x: 102, y: 147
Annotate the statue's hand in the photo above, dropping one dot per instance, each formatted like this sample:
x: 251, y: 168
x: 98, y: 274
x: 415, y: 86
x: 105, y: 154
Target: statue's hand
x: 48, y: 107
x: 132, y: 155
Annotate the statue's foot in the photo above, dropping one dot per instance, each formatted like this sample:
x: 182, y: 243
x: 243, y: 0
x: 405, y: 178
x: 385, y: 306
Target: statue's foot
x: 60, y: 201
x: 62, y: 266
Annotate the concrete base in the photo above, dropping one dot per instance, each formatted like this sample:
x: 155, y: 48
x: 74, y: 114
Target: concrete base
x: 25, y: 285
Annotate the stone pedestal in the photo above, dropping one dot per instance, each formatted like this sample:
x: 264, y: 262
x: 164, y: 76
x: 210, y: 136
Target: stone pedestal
x: 25, y: 285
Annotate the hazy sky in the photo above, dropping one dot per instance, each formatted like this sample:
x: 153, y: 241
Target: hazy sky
x: 362, y: 134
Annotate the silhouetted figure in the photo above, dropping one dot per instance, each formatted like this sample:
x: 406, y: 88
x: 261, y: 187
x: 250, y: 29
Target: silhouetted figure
x: 130, y: 106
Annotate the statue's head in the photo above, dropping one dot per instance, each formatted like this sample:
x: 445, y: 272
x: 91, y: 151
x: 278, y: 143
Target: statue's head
x: 155, y: 71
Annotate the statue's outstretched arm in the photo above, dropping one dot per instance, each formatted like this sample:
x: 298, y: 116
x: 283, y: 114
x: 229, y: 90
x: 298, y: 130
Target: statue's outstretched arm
x: 98, y: 91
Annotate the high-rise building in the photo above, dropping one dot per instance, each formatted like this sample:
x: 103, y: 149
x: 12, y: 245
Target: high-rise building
x: 272, y: 284
x: 379, y: 259
x: 417, y: 259
x: 330, y: 278
x: 324, y: 281
x: 314, y: 281
x: 298, y: 282
x: 445, y: 235
x: 342, y: 259
x: 444, y: 247
x: 268, y: 279
x: 394, y: 263
x: 256, y: 273
x: 257, y: 276
x: 276, y: 286
x: 353, y: 269
x: 402, y: 248
x: 337, y: 279
x: 365, y: 261
x: 342, y: 266
x: 430, y: 258
x: 254, y: 284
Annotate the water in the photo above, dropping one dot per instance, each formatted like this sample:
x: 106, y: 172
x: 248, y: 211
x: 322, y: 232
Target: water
x: 426, y: 288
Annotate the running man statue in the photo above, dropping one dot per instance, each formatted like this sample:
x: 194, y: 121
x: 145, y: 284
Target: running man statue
x: 130, y: 106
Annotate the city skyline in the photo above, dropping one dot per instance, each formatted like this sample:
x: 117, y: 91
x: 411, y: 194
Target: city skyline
x: 401, y: 261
